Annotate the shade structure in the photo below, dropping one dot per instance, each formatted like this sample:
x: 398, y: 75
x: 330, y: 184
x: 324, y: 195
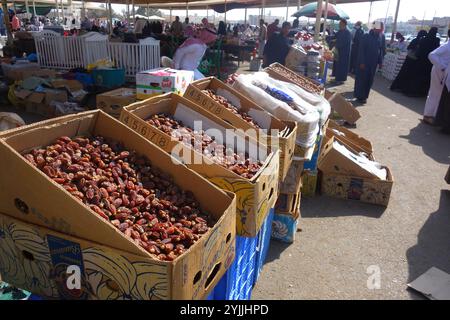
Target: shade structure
x: 156, y: 18
x: 310, y: 10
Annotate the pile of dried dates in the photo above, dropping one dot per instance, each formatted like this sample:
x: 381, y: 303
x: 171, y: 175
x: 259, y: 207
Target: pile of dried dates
x: 219, y: 153
x: 302, y: 82
x: 125, y: 189
x: 225, y: 103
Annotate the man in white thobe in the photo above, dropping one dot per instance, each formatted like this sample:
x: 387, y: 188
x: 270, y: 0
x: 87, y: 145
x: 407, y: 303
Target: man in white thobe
x: 440, y: 58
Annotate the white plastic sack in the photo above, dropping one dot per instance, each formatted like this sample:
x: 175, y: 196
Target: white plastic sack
x: 9, y: 120
x: 305, y: 114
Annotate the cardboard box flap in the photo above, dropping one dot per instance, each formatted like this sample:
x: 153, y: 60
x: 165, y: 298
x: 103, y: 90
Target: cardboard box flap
x: 264, y: 119
x: 53, y: 207
x: 350, y: 136
x: 36, y: 97
x: 345, y: 109
x: 23, y: 93
x: 332, y: 160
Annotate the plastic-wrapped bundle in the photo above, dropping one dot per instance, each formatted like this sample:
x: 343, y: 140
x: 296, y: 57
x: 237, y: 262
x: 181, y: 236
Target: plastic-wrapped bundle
x: 322, y: 105
x: 276, y: 98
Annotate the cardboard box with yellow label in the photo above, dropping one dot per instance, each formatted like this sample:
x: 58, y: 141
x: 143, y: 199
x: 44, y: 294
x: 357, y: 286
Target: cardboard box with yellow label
x: 255, y: 196
x: 44, y: 228
x: 276, y: 133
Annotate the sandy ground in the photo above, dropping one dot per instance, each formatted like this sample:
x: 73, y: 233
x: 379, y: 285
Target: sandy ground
x: 339, y: 240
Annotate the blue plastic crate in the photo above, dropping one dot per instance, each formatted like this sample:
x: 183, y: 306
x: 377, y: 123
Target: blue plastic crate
x: 264, y: 236
x: 108, y: 78
x: 237, y: 283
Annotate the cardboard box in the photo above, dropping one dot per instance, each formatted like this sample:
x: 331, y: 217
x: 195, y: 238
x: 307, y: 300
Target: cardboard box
x: 255, y: 196
x: 293, y: 180
x: 116, y: 262
x: 349, y: 137
x: 41, y: 73
x: 55, y: 95
x: 345, y: 109
x: 286, y: 131
x: 112, y: 102
x: 350, y: 187
x: 293, y: 77
x: 71, y: 85
x: 309, y: 183
x: 162, y: 80
x: 16, y: 71
x: 287, y: 203
x: 284, y: 226
x: 332, y: 161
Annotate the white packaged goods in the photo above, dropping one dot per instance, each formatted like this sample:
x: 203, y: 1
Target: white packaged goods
x: 9, y: 120
x: 369, y: 165
x: 296, y: 57
x: 277, y: 98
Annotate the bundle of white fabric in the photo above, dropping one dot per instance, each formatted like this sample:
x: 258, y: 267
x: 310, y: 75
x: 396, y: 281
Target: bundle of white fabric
x: 286, y: 101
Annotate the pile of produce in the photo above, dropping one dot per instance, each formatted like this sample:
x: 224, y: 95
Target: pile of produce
x: 125, y: 189
x: 219, y: 153
x: 225, y: 103
x: 299, y: 80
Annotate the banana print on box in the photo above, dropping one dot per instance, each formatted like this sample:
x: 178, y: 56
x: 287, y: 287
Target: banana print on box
x: 25, y: 262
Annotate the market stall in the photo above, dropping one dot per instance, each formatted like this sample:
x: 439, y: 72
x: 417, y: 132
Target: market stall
x: 182, y: 183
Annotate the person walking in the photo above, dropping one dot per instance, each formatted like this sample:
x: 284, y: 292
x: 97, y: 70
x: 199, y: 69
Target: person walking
x: 343, y: 43
x: 262, y: 37
x: 440, y: 58
x: 356, y: 39
x: 370, y: 56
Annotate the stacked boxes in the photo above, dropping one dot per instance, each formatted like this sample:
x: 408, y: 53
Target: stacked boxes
x: 43, y: 227
x: 255, y: 196
x: 392, y: 63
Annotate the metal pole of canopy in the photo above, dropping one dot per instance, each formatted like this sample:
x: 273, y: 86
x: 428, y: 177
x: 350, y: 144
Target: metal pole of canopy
x: 83, y: 10
x: 245, y: 19
x: 318, y: 18
x: 287, y: 10
x: 225, y: 17
x: 133, y: 11
x: 128, y: 12
x: 325, y: 21
x: 57, y: 9
x: 170, y: 15
x: 263, y: 10
x: 34, y: 8
x: 110, y: 18
x: 187, y: 9
x: 394, y: 27
x: 207, y: 12
x: 370, y: 14
x: 148, y: 10
x: 62, y: 11
x: 27, y: 6
x: 299, y: 4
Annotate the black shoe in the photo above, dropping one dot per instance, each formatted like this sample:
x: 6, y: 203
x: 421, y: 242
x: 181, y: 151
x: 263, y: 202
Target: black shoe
x: 361, y: 101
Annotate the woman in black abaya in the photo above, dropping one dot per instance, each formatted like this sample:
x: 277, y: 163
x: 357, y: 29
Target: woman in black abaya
x: 443, y: 113
x: 408, y: 67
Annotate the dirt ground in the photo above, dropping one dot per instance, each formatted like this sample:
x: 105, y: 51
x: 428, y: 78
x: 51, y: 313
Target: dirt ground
x: 339, y: 240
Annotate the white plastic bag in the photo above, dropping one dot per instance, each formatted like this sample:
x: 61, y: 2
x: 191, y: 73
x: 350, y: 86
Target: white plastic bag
x: 9, y: 120
x: 300, y: 111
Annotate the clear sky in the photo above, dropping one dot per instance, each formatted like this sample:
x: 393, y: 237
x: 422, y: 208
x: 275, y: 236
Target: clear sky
x: 357, y: 11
